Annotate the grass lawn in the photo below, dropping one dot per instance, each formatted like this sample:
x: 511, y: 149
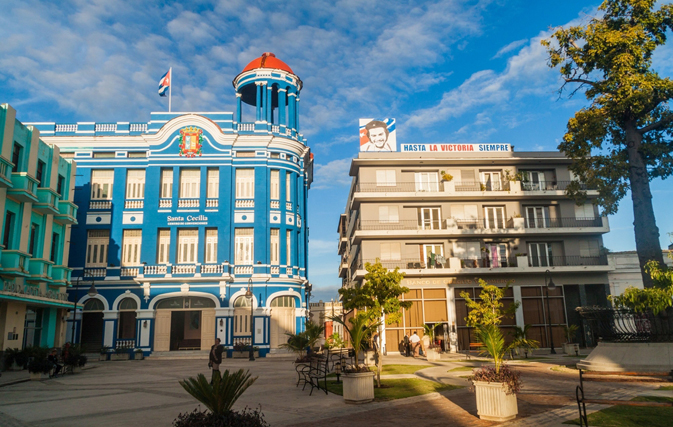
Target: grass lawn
x: 462, y: 369
x: 581, y: 356
x: 666, y: 387
x: 398, y: 388
x: 632, y: 416
x: 402, y: 369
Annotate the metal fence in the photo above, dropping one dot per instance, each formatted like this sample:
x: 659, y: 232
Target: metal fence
x: 623, y: 325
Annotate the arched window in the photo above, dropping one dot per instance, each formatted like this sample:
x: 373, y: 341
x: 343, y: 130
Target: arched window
x: 93, y: 304
x: 177, y: 303
x: 286, y: 301
x: 128, y: 304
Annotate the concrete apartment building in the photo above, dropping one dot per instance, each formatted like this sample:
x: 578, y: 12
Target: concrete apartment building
x: 448, y: 217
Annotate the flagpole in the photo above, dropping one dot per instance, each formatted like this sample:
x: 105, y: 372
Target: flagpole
x: 170, y: 87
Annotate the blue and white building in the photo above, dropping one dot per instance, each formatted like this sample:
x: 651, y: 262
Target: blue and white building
x: 180, y: 215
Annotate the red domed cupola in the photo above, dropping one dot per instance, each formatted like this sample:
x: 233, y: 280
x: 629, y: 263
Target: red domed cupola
x: 267, y: 60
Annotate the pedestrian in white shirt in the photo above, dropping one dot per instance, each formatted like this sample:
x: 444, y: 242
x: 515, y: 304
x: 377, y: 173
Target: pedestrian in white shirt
x: 415, y: 341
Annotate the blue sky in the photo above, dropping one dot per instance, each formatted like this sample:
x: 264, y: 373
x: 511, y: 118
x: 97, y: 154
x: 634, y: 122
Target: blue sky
x: 448, y: 71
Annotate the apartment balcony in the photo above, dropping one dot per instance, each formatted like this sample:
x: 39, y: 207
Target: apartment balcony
x: 167, y: 271
x: 67, y: 212
x: 24, y: 187
x: 343, y: 268
x: 504, y: 190
x: 244, y: 203
x: 15, y: 263
x: 60, y: 275
x: 165, y: 203
x: 188, y: 203
x: 5, y: 168
x: 415, y: 267
x: 452, y: 227
x: 40, y: 270
x: 100, y: 205
x: 47, y: 201
x: 343, y: 244
x: 212, y: 203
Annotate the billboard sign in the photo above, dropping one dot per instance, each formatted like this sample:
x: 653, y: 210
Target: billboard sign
x: 378, y: 135
x: 456, y: 148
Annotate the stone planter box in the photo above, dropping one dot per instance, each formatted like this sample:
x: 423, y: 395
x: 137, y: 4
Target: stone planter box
x: 358, y: 387
x: 103, y: 357
x: 38, y: 376
x: 492, y: 402
x: 243, y: 354
x: 432, y: 354
x: 120, y: 356
x: 572, y: 349
x: 138, y: 356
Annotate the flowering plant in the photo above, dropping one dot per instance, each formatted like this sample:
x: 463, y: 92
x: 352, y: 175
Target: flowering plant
x: 510, y: 378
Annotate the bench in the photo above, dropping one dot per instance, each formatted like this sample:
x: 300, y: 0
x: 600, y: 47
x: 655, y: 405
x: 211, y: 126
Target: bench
x: 605, y: 376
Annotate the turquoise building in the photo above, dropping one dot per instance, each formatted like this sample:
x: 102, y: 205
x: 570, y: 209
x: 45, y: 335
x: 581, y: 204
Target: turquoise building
x: 36, y: 215
x: 182, y: 215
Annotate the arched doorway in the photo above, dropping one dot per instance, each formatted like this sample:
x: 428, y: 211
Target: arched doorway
x: 127, y: 320
x: 282, y: 320
x: 92, y: 325
x: 184, y: 323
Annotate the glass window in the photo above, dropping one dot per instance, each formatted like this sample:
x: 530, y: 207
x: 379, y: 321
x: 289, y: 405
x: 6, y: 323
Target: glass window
x: 275, y: 246
x: 97, y: 248
x: 245, y: 183
x: 16, y: 157
x: 275, y: 184
x: 286, y: 301
x: 135, y: 183
x: 211, y: 245
x: 9, y: 227
x: 188, y: 242
x: 390, y: 251
x: 589, y: 248
x: 128, y: 304
x: 245, y: 244
x: 163, y: 246
x: 427, y: 181
x: 429, y: 219
x: 59, y: 186
x: 190, y: 181
x: 131, y: 243
x: 54, y: 248
x: 491, y: 181
x: 39, y: 174
x: 93, y: 304
x: 213, y: 183
x: 34, y: 233
x: 166, y: 183
x: 385, y: 178
x: 494, y: 217
x: 288, y: 186
x: 101, y: 184
x: 288, y: 247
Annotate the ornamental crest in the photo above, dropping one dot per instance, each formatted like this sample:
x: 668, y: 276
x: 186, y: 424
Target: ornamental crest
x: 191, y: 140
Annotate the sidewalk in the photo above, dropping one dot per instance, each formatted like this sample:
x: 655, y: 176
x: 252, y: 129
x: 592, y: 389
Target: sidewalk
x: 13, y: 377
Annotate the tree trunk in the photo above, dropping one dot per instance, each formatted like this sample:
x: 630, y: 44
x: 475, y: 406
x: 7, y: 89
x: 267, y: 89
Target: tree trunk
x: 644, y: 223
x: 379, y: 364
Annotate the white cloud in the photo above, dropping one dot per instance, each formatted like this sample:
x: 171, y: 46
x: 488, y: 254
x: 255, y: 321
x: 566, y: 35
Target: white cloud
x: 334, y: 173
x: 318, y: 247
x: 510, y: 47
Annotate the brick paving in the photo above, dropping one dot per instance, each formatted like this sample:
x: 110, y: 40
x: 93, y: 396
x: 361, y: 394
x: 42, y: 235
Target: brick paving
x: 147, y: 393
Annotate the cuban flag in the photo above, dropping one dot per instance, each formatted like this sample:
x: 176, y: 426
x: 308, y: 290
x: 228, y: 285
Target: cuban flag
x: 165, y: 83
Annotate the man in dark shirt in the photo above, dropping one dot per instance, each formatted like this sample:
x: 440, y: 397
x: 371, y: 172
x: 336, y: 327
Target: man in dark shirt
x: 215, y: 358
x: 53, y: 358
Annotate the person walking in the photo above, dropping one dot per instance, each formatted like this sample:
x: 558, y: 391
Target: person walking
x: 215, y: 359
x: 406, y: 345
x: 415, y: 341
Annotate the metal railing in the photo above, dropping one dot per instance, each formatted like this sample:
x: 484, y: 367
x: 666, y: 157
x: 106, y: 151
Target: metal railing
x: 397, y: 187
x: 482, y: 186
x: 566, y: 261
x: 563, y: 222
x: 624, y: 325
x: 551, y: 185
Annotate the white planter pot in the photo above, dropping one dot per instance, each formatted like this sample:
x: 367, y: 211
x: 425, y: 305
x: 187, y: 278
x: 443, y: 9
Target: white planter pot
x: 571, y: 349
x: 38, y: 376
x: 358, y: 387
x: 432, y: 355
x: 492, y: 402
x: 102, y: 357
x: 522, y: 261
x: 518, y: 223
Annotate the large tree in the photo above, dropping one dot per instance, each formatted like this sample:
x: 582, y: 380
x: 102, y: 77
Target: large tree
x: 378, y: 296
x: 623, y: 139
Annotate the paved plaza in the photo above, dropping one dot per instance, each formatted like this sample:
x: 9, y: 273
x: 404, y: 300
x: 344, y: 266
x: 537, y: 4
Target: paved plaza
x: 147, y: 393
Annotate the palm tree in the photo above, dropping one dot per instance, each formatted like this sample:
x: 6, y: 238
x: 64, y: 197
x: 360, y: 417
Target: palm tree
x: 521, y: 340
x: 313, y: 332
x: 225, y: 391
x: 361, y: 329
x: 429, y: 330
x: 493, y: 343
x: 296, y: 343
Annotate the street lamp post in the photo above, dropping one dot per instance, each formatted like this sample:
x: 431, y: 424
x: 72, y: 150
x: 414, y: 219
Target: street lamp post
x: 92, y: 293
x: 248, y: 295
x: 549, y: 286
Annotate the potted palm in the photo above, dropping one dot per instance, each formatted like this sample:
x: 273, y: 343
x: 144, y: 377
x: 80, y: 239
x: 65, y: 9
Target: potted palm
x: 219, y: 397
x: 495, y: 386
x: 357, y: 378
x: 39, y: 366
x: 569, y: 347
x: 138, y: 354
x: 432, y: 350
x: 104, y: 353
x: 521, y: 341
x: 121, y: 353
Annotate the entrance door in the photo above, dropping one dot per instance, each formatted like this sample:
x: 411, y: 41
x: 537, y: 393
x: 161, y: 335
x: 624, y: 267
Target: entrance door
x: 494, y: 217
x: 428, y: 219
x: 92, y: 331
x: 540, y: 254
x: 537, y: 216
x: 186, y: 330
x: 177, y: 329
x: 491, y: 180
x: 282, y: 320
x: 536, y: 181
x: 207, y: 329
x: 162, y: 334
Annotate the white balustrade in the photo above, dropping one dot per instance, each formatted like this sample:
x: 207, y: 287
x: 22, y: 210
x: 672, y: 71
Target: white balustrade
x: 212, y: 268
x: 107, y: 204
x: 188, y: 203
x: 95, y: 272
x: 288, y: 206
x: 156, y: 269
x: 275, y: 270
x: 66, y: 128
x: 184, y: 269
x: 212, y: 203
x: 246, y: 126
x: 275, y: 129
x: 129, y: 271
x: 245, y: 203
x: 134, y: 204
x: 248, y: 269
x: 138, y: 127
x: 106, y: 127
x: 165, y: 203
x: 275, y: 204
x: 288, y: 271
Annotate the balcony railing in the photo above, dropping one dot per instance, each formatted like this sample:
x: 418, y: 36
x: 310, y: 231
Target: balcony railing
x: 563, y: 222
x: 397, y: 187
x: 188, y: 203
x: 165, y: 203
x: 212, y: 269
x: 275, y: 204
x: 151, y: 270
x: 245, y: 203
x: 212, y: 203
x: 129, y: 271
x: 551, y: 186
x: 134, y: 204
x: 184, y: 269
x: 623, y: 325
x: 566, y: 261
x: 100, y: 205
x: 481, y: 186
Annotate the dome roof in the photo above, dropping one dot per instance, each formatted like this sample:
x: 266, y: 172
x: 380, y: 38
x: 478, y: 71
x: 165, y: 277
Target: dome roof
x: 267, y: 60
